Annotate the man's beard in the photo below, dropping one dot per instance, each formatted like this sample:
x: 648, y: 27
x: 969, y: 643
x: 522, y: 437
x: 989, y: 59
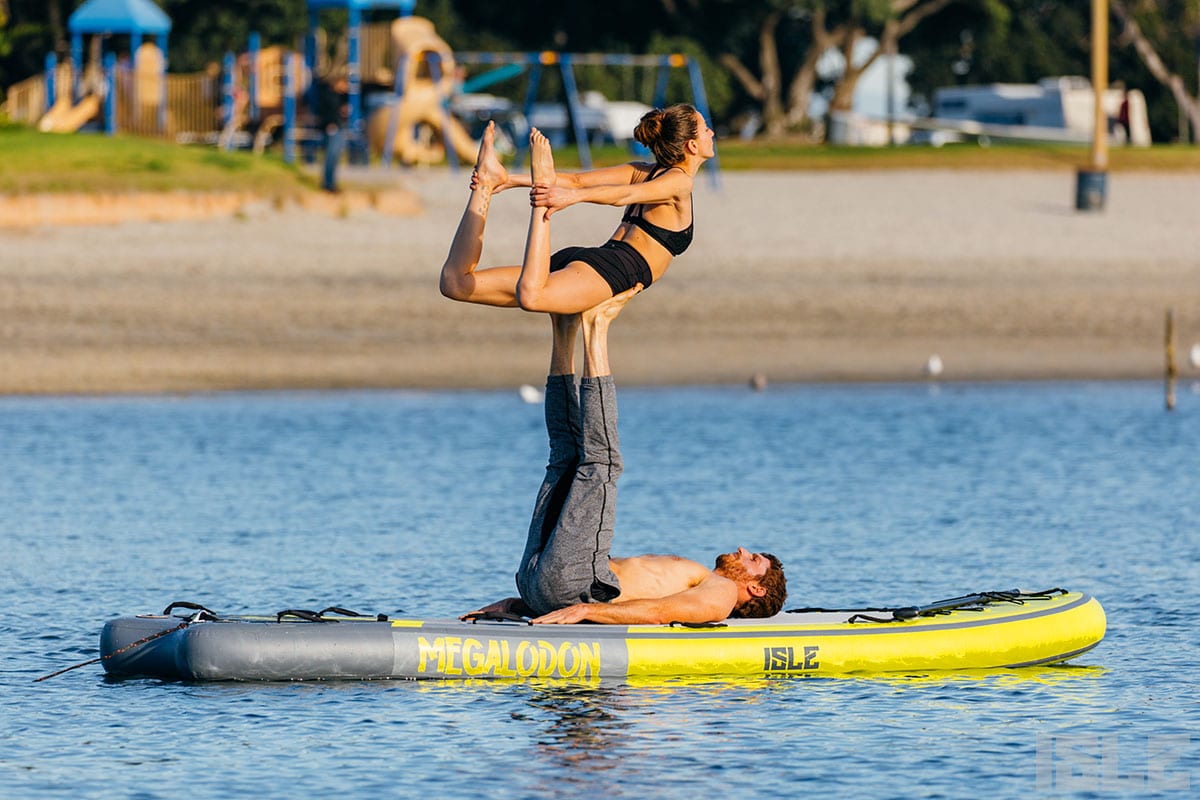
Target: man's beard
x: 731, y: 567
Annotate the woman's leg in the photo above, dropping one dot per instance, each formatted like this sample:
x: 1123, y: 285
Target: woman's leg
x: 460, y: 280
x: 572, y: 290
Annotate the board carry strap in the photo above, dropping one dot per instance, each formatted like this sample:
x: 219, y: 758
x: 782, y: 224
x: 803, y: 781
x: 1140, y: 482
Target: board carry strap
x: 302, y: 613
x: 211, y: 615
x: 969, y: 602
x: 495, y: 616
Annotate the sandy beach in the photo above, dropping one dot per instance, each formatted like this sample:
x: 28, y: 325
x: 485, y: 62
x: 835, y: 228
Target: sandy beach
x: 802, y: 276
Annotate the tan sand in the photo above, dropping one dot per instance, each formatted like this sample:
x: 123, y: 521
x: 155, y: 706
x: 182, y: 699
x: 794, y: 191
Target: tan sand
x: 801, y: 276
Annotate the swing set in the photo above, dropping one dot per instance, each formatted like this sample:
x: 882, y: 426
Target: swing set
x: 508, y: 65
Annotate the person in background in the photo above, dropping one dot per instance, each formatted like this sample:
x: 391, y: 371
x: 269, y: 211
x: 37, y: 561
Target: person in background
x: 333, y: 109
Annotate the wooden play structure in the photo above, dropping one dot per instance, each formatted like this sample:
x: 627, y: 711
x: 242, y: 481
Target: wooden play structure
x: 415, y: 126
x: 401, y: 78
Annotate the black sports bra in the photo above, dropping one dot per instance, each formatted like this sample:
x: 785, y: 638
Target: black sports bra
x: 675, y: 241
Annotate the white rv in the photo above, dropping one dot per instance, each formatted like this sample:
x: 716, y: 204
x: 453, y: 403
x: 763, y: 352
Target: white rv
x: 1053, y: 109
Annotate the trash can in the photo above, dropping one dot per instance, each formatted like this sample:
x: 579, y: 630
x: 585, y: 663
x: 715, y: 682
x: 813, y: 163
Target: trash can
x: 1090, y: 190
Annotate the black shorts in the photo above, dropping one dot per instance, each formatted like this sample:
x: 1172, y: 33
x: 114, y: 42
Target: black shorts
x: 617, y: 262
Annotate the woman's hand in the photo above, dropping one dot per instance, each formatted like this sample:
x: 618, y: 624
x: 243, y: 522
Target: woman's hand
x: 497, y: 189
x: 551, y: 197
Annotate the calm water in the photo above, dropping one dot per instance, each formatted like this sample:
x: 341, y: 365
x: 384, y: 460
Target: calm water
x: 418, y: 502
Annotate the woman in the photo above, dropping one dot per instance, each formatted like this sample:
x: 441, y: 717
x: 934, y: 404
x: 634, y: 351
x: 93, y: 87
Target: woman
x: 656, y: 227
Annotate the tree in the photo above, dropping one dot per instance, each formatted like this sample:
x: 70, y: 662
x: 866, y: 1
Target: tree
x: 1162, y: 33
x: 773, y: 35
x: 786, y: 109
x: 1020, y: 41
x: 5, y: 41
x: 888, y: 21
x: 202, y: 31
x: 790, y: 36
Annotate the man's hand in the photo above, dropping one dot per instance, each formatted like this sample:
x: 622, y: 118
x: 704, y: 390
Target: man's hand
x: 564, y: 616
x: 509, y: 605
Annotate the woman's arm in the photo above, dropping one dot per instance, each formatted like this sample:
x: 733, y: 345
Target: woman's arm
x: 669, y: 187
x: 625, y: 173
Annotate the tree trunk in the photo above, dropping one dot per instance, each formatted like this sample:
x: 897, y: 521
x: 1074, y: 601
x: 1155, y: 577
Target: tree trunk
x: 906, y: 15
x: 772, y: 76
x: 62, y: 47
x: 843, y: 92
x: 1132, y: 34
x: 767, y: 89
x: 804, y: 82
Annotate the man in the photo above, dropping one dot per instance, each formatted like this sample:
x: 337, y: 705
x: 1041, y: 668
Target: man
x: 566, y: 573
x: 333, y: 109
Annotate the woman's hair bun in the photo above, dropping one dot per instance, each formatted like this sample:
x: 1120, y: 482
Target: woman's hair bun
x: 650, y: 127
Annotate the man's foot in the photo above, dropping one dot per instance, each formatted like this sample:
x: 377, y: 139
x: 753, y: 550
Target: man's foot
x: 595, y: 332
x: 541, y: 159
x: 490, y: 174
x: 600, y: 316
x: 562, y: 355
x: 565, y: 324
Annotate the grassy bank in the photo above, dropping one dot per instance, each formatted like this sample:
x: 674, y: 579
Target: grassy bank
x: 785, y: 155
x: 41, y: 162
x: 35, y: 162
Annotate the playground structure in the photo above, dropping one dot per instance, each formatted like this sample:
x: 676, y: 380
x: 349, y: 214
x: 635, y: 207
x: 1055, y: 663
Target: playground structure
x: 617, y: 119
x: 403, y: 82
x: 414, y: 125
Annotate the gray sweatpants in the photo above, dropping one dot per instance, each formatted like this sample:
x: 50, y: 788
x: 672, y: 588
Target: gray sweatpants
x: 566, y: 552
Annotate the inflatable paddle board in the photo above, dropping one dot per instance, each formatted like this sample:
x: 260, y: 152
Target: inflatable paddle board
x: 978, y: 631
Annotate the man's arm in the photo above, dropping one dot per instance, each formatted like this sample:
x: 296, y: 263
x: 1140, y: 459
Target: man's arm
x: 509, y: 605
x: 709, y: 601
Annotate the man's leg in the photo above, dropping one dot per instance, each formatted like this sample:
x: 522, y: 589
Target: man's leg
x: 572, y: 563
x: 562, y: 428
x: 459, y: 279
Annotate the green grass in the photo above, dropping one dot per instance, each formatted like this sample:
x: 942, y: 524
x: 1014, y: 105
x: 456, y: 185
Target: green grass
x: 737, y: 155
x: 32, y: 162
x: 45, y: 162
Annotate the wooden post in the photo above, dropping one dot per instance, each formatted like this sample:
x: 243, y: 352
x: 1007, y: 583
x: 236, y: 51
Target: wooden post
x: 1091, y: 181
x: 1099, y: 152
x: 1170, y: 347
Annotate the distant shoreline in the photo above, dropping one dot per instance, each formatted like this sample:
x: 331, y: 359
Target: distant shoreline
x: 802, y: 276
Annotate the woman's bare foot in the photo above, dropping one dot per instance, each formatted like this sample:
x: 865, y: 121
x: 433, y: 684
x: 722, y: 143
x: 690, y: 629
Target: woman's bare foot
x: 541, y: 159
x: 489, y: 175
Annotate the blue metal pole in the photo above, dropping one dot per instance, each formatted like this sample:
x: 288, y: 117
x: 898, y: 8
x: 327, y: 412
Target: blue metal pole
x: 76, y: 65
x: 51, y: 80
x: 576, y: 109
x: 531, y: 92
x: 701, y: 101
x: 435, y: 73
x: 289, y: 108
x: 228, y: 70
x: 110, y: 93
x: 355, y: 121
x: 255, y: 45
x: 162, y: 99
x: 310, y: 58
x: 135, y: 41
x: 389, y: 141
x: 660, y: 84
